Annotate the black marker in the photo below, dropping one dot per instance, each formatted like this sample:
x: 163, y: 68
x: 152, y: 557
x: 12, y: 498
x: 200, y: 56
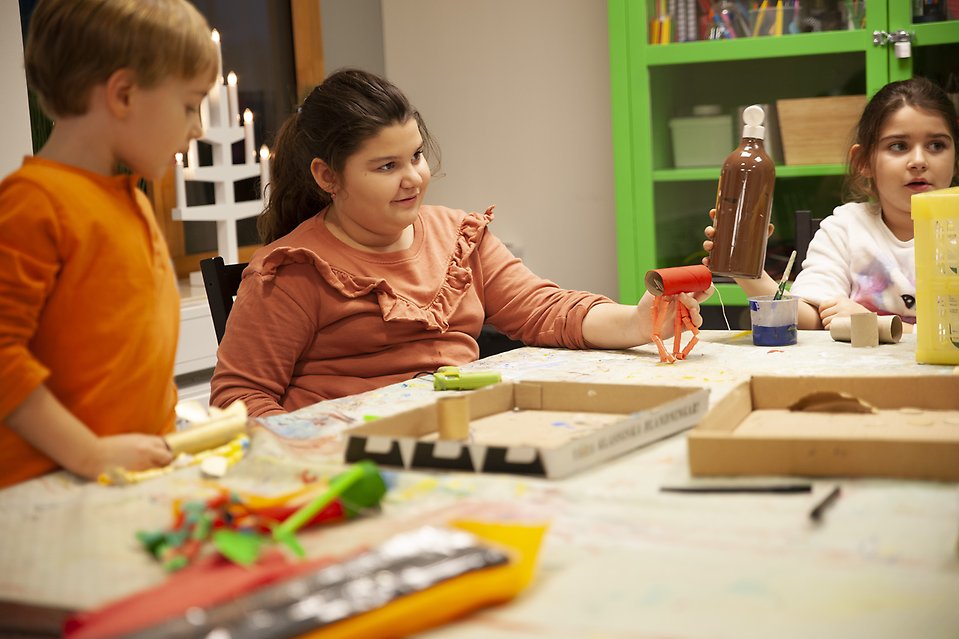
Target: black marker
x: 741, y: 488
x: 816, y: 513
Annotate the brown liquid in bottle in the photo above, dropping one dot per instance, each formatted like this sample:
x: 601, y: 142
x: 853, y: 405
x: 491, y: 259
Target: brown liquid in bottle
x: 744, y: 201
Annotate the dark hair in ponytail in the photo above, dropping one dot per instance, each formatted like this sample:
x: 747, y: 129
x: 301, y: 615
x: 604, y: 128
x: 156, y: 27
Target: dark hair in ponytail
x: 348, y: 108
x: 918, y: 93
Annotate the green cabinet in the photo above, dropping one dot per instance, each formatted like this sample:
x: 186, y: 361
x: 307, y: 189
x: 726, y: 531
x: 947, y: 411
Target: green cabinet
x: 661, y: 210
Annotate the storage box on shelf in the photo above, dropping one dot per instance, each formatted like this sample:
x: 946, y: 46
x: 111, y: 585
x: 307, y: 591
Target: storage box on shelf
x: 703, y: 139
x: 818, y: 130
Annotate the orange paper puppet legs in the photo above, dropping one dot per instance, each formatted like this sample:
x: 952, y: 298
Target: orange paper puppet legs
x: 672, y: 281
x: 680, y: 319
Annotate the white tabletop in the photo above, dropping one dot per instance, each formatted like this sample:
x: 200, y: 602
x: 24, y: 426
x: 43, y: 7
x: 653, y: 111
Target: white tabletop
x: 621, y: 559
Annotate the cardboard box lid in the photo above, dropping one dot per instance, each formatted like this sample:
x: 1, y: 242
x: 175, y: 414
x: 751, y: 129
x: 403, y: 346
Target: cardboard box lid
x: 913, y: 435
x: 648, y: 413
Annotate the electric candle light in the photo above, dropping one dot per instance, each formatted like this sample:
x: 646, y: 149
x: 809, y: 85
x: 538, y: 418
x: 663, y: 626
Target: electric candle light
x: 232, y: 101
x: 264, y: 170
x: 223, y: 129
x: 215, y: 36
x: 223, y: 116
x: 178, y: 179
x: 248, y: 136
x: 205, y: 112
x: 215, y: 108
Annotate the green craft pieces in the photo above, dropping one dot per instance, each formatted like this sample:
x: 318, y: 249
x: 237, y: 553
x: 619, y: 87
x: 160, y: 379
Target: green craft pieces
x: 239, y: 531
x: 359, y: 487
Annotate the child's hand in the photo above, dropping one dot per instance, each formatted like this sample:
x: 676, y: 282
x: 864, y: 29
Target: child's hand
x: 131, y: 451
x: 668, y: 311
x: 710, y: 233
x: 692, y: 304
x: 839, y: 307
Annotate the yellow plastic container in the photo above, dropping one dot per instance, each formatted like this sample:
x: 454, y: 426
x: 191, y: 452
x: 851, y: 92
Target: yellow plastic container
x: 935, y: 216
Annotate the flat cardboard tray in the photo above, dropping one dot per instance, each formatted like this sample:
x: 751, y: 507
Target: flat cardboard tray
x: 546, y: 429
x: 913, y: 433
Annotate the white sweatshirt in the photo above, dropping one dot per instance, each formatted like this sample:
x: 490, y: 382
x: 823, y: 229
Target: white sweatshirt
x: 855, y: 255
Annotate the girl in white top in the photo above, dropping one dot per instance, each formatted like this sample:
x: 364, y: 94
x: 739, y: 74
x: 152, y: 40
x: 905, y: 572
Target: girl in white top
x: 862, y: 258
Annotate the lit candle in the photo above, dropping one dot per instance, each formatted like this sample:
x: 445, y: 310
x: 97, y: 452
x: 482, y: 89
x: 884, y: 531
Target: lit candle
x: 232, y: 103
x: 222, y: 117
x: 248, y: 136
x: 215, y: 35
x: 264, y: 170
x: 180, y: 185
x: 214, y: 98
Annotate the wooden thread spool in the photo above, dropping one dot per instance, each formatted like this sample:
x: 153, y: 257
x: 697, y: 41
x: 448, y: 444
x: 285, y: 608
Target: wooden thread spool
x: 453, y: 417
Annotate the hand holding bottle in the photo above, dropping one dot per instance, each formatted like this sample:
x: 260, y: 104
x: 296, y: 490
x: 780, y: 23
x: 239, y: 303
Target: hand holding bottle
x: 710, y: 233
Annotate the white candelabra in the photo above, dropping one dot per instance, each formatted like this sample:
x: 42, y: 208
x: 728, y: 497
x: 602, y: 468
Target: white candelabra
x: 219, y: 113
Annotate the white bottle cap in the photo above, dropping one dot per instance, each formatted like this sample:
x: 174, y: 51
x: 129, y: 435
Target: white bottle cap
x: 753, y: 117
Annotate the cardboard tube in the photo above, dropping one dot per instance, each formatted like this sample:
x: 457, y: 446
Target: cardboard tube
x: 840, y: 329
x: 216, y: 432
x: 453, y: 416
x: 678, y: 279
x: 864, y: 329
x: 890, y: 329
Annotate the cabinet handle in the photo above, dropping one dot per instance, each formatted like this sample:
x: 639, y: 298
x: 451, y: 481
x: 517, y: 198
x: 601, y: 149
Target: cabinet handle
x: 901, y: 41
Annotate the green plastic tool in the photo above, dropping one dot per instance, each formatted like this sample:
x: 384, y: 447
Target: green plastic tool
x: 450, y: 378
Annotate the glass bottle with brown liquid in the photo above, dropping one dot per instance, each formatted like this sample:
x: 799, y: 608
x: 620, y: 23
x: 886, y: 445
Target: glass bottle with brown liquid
x: 744, y: 201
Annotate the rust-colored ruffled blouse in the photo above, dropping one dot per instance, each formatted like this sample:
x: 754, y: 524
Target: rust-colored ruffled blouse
x: 316, y: 319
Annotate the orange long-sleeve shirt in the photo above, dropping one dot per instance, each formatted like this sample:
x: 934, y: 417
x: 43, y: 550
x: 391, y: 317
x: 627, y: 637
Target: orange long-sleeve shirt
x: 88, y: 306
x: 316, y: 319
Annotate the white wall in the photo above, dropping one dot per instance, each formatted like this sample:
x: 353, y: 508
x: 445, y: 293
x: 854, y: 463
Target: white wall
x: 14, y: 112
x: 352, y: 35
x: 517, y: 94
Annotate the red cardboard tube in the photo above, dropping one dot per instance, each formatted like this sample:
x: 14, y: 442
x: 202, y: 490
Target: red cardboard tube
x: 678, y: 279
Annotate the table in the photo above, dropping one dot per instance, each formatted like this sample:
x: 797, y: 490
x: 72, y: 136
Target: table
x: 621, y: 559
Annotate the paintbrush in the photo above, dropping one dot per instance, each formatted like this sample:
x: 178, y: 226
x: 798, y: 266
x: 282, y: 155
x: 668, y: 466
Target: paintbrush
x: 782, y: 282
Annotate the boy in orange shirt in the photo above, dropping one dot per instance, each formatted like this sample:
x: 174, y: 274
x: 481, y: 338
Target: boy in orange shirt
x: 89, y: 311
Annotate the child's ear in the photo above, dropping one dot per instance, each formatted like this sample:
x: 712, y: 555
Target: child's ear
x: 856, y: 160
x: 323, y: 175
x: 119, y: 91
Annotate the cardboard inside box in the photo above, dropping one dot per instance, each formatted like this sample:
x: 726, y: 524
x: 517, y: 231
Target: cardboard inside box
x: 913, y: 432
x: 547, y: 429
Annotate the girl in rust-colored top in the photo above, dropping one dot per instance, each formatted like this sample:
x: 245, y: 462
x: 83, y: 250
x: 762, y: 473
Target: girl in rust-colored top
x: 361, y: 285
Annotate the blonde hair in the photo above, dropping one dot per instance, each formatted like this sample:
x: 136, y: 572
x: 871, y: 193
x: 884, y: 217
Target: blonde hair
x: 73, y: 45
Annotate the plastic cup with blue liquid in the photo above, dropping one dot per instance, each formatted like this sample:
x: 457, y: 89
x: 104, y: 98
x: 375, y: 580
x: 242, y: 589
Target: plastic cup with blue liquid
x: 775, y: 322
